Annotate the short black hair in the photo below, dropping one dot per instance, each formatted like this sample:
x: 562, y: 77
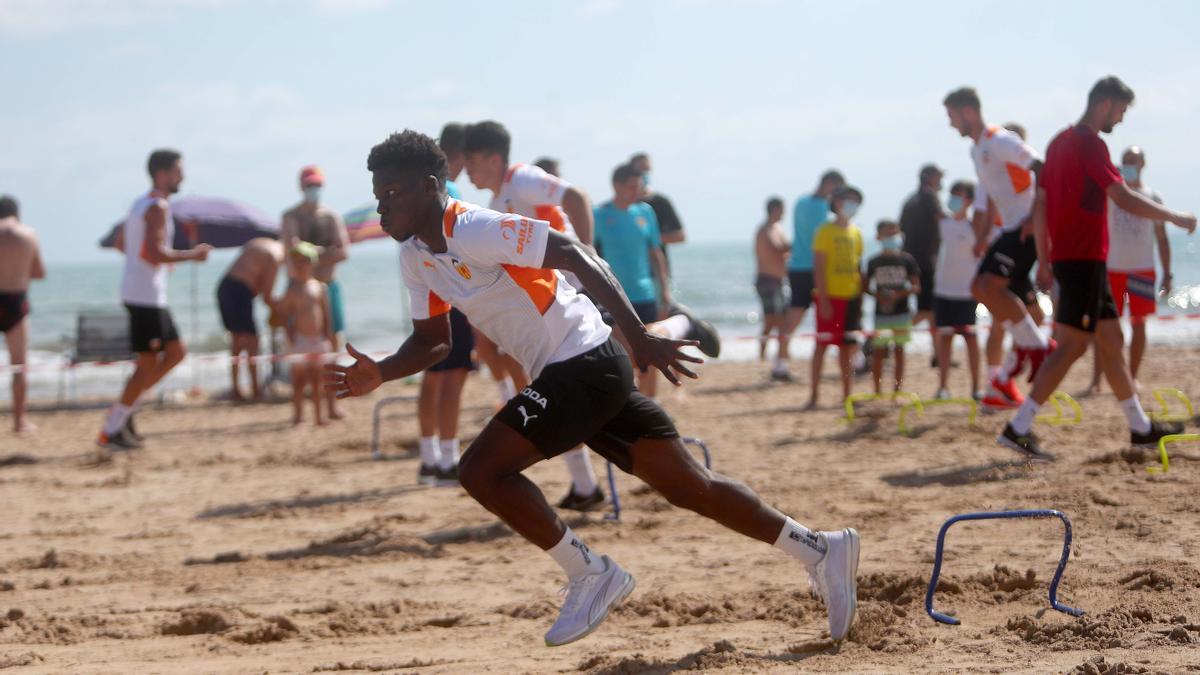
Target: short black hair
x: 929, y: 170
x: 453, y: 138
x: 832, y: 175
x: 886, y: 224
x: 488, y: 136
x: 847, y: 191
x: 1016, y: 129
x: 965, y: 187
x: 547, y: 164
x: 637, y: 157
x: 625, y: 172
x: 963, y: 97
x: 1110, y: 88
x: 409, y: 151
x: 774, y: 203
x: 161, y: 160
x: 9, y: 207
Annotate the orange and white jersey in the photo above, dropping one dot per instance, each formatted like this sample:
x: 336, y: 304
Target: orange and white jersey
x: 492, y: 272
x: 144, y: 283
x: 1002, y: 162
x: 531, y: 192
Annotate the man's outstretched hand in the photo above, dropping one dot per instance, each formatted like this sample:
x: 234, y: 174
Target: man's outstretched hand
x: 656, y: 351
x: 361, y: 377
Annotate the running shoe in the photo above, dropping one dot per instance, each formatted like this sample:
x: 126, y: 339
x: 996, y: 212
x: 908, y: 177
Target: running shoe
x: 132, y: 431
x: 577, y: 502
x: 589, y: 600
x: 1151, y: 438
x: 781, y: 375
x: 942, y: 394
x: 427, y: 474
x: 1026, y: 444
x: 447, y: 477
x: 835, y: 580
x: 1008, y: 391
x: 702, y: 331
x: 118, y: 442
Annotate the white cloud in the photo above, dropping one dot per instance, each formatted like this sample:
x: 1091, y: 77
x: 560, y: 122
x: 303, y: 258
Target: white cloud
x: 45, y: 17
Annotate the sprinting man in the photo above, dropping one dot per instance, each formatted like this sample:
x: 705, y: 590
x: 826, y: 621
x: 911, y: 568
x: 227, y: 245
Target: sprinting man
x: 1006, y: 168
x: 1071, y: 225
x: 809, y: 213
x: 953, y: 305
x: 1131, y: 262
x: 20, y: 262
x: 627, y: 239
x: 771, y: 249
x: 837, y: 281
x: 893, y: 277
x: 146, y: 239
x: 251, y: 275
x: 582, y: 390
x: 305, y: 309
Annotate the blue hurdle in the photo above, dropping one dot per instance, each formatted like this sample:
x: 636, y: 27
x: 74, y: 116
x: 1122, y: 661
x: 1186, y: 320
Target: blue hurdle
x: 612, y: 478
x: 991, y: 515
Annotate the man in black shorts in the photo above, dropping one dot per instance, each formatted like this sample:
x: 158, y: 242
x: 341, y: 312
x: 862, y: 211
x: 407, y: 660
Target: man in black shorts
x: 252, y: 274
x: 1070, y: 217
x: 501, y: 271
x: 919, y: 222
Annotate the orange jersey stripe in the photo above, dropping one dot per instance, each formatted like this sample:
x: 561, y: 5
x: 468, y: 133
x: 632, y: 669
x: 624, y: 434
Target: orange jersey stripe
x: 437, y: 306
x: 540, y: 285
x: 453, y: 209
x: 553, y: 215
x: 1021, y: 178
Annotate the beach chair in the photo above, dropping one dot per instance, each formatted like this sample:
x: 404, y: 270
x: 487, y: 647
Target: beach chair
x: 101, y: 336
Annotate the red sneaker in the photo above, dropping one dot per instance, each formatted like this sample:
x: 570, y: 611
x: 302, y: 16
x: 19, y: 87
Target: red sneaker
x: 1008, y: 390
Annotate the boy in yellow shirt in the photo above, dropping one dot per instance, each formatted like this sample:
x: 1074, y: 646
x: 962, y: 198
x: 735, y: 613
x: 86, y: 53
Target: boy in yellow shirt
x: 837, y: 278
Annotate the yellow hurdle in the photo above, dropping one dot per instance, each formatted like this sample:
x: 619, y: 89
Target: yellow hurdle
x: 1059, y: 418
x: 913, y: 398
x: 1162, y: 451
x: 919, y: 406
x: 1165, y: 415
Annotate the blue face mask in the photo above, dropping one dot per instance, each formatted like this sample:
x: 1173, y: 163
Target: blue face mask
x: 312, y: 194
x: 892, y: 243
x: 645, y: 179
x: 955, y: 203
x: 1129, y: 172
x: 849, y: 208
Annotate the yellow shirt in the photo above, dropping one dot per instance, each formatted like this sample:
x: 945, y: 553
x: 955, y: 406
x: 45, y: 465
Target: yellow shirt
x: 843, y: 248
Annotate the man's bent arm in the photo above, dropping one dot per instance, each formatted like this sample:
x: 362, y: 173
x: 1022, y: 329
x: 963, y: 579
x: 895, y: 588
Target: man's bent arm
x: 157, y: 249
x: 579, y: 211
x: 564, y: 254
x: 429, y: 343
x: 1137, y: 204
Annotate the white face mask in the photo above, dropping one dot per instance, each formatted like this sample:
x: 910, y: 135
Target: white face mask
x: 849, y: 208
x: 312, y: 194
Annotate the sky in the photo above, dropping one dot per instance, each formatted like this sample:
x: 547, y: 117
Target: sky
x: 735, y: 101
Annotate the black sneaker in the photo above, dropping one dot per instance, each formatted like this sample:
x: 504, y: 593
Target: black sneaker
x: 427, y: 474
x: 118, y: 442
x: 132, y: 431
x: 447, y: 477
x: 1151, y: 438
x: 578, y: 502
x: 702, y: 331
x: 1026, y: 444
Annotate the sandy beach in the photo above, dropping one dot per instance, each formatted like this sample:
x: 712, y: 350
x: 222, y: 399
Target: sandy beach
x: 236, y: 544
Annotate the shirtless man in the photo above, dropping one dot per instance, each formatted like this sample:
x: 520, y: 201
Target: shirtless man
x: 771, y: 249
x: 20, y: 261
x: 252, y: 274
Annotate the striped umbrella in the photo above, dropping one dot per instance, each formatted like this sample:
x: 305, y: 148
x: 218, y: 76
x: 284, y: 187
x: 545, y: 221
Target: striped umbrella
x: 363, y: 223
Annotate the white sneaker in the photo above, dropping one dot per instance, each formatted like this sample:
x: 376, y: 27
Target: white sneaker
x: 835, y: 580
x: 941, y: 395
x: 589, y: 599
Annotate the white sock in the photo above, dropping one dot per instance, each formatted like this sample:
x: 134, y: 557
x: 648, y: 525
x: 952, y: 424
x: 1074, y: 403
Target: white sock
x: 1132, y: 407
x: 429, y: 453
x: 994, y: 372
x: 507, y: 389
x: 1010, y: 362
x: 780, y: 366
x: 1023, y: 421
x: 1025, y: 333
x: 676, y: 327
x: 449, y: 455
x: 574, y: 557
x: 117, y: 416
x: 579, y: 464
x: 801, y: 543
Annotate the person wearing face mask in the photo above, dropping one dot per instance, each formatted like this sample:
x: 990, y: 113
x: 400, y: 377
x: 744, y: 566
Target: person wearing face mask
x: 1131, y: 262
x: 837, y: 280
x: 322, y: 227
x: 892, y: 278
x: 953, y: 305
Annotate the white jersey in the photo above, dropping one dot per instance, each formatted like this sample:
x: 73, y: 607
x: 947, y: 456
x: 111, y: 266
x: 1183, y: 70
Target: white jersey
x: 956, y: 263
x: 492, y: 272
x: 1002, y: 163
x: 144, y: 283
x: 1131, y: 238
x: 531, y: 192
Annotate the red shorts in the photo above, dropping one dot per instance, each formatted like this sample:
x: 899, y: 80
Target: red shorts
x: 1138, y: 287
x: 838, y: 327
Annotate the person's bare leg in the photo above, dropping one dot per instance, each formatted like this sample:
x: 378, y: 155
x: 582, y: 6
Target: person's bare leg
x: 845, y: 355
x: 818, y: 359
x: 335, y: 412
x: 17, y: 339
x: 1137, y: 347
x: 898, y: 373
x: 943, y: 346
x: 992, y: 291
x: 972, y: 358
x: 877, y: 366
x: 251, y: 349
x: 795, y: 315
x: 1072, y: 343
x: 313, y: 365
x: 995, y: 344
x: 1095, y: 386
x: 152, y: 369
x: 235, y: 366
x: 449, y: 402
x: 1110, y: 342
x: 299, y: 378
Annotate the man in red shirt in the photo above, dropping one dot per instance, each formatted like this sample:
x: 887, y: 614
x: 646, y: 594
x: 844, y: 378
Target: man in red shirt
x: 1070, y: 218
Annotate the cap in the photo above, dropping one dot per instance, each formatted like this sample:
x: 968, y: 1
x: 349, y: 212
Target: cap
x: 311, y: 175
x: 306, y: 250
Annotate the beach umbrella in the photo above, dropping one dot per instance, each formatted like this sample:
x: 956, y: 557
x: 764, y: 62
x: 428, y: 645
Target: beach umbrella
x: 363, y: 223
x: 218, y: 222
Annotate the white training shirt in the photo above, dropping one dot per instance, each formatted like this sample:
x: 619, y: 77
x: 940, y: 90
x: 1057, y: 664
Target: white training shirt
x: 1002, y: 162
x: 144, y: 283
x: 956, y: 263
x: 1131, y: 238
x: 492, y: 272
x: 531, y: 192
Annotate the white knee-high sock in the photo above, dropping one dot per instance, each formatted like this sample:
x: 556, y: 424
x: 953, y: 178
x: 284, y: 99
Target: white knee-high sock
x: 118, y: 414
x: 1135, y: 415
x: 676, y: 327
x: 801, y: 543
x: 429, y: 450
x: 575, y: 558
x: 448, y: 457
x: 1022, y: 422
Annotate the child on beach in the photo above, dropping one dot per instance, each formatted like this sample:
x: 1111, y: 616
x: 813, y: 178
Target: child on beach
x: 837, y: 258
x: 304, y: 310
x: 953, y: 305
x: 893, y: 277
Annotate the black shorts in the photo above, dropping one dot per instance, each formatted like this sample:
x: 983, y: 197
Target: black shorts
x: 770, y: 292
x: 587, y: 399
x: 235, y: 300
x: 13, y: 308
x: 1084, y: 298
x: 150, y: 328
x: 462, y: 341
x: 647, y: 312
x: 925, y: 296
x: 1013, y: 259
x: 955, y: 313
x: 801, y: 283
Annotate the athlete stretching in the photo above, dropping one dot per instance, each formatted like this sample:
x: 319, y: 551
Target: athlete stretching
x: 501, y: 271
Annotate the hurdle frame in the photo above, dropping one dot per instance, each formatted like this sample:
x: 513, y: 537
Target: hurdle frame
x: 376, y: 415
x: 615, y: 515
